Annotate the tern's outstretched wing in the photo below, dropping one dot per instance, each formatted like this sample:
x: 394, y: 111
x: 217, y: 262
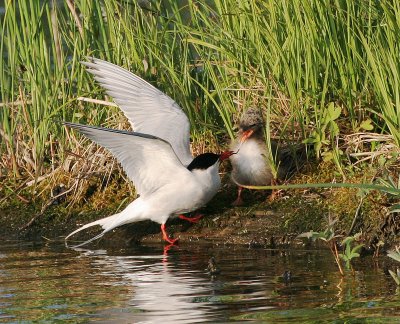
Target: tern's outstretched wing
x: 148, y: 110
x: 149, y: 161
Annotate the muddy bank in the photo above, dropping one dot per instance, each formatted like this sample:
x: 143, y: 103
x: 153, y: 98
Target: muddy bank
x: 260, y: 222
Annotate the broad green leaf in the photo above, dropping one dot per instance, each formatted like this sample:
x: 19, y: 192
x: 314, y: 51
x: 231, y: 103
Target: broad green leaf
x: 395, y: 255
x: 333, y: 112
x: 367, y: 125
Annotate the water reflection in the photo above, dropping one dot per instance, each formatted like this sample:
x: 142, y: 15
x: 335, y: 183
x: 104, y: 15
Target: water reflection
x: 49, y: 284
x: 159, y: 290
x: 141, y: 285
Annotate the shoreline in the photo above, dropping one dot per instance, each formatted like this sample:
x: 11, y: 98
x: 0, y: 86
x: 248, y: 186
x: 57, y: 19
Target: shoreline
x: 259, y: 223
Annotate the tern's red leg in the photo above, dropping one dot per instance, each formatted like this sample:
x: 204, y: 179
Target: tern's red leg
x: 194, y: 219
x: 165, y: 235
x: 167, y: 248
x: 239, y: 200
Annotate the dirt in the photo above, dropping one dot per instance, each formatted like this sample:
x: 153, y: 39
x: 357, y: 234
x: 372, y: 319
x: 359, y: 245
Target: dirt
x: 261, y: 221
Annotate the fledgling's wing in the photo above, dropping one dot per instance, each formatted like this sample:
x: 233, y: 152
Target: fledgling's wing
x: 150, y: 162
x: 148, y: 110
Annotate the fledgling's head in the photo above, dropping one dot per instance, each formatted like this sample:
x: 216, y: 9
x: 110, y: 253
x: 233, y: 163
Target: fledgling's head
x: 251, y: 123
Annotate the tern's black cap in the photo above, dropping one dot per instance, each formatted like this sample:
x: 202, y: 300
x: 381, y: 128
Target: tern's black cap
x: 203, y: 161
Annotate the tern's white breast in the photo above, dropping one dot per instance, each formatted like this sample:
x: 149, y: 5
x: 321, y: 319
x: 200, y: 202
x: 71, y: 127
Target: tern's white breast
x: 183, y: 194
x: 250, y: 165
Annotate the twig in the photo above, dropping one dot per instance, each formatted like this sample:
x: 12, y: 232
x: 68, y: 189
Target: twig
x: 353, y: 224
x: 15, y: 103
x: 97, y: 101
x: 78, y: 23
x: 336, y: 255
x: 39, y: 179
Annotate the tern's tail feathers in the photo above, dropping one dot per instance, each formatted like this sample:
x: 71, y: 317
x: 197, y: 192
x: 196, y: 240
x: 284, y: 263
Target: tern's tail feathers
x: 130, y: 214
x: 107, y: 223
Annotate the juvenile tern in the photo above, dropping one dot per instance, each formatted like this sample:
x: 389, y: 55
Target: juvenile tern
x: 250, y: 166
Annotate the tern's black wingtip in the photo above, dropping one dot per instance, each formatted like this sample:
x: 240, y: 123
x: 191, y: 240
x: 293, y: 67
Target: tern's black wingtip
x: 88, y: 61
x: 57, y: 121
x: 72, y: 125
x: 65, y: 123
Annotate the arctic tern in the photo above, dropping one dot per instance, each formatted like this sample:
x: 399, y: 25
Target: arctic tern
x: 156, y: 155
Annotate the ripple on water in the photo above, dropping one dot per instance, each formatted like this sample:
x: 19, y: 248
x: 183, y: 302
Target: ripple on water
x: 50, y: 283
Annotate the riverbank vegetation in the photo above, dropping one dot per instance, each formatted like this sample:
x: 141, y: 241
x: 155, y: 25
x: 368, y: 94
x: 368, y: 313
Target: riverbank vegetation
x: 326, y: 73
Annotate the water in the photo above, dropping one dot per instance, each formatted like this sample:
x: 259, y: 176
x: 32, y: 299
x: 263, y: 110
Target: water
x: 49, y: 283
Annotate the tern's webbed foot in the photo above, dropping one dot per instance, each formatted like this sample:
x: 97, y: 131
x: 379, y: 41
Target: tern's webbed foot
x: 194, y: 219
x: 166, y: 237
x: 239, y: 200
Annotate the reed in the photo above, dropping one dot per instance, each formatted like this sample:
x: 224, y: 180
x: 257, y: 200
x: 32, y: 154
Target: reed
x: 300, y: 60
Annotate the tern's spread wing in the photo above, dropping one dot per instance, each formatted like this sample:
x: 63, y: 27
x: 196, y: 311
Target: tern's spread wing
x: 149, y: 161
x: 148, y: 110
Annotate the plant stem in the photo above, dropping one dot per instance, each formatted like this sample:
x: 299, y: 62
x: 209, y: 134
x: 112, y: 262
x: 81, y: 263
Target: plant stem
x: 335, y: 253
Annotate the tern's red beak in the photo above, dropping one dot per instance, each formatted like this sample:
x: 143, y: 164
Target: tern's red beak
x: 225, y: 155
x: 246, y: 135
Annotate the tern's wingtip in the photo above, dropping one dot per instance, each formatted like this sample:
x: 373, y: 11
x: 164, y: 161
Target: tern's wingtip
x: 89, y: 61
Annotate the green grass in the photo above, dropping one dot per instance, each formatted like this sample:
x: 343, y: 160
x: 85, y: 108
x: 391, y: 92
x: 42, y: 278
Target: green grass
x: 299, y: 60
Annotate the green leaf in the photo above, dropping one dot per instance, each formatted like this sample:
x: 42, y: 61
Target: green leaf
x: 327, y: 156
x: 334, y: 128
x: 333, y: 112
x: 310, y: 140
x: 395, y: 277
x: 347, y: 240
x: 357, y: 248
x: 366, y: 125
x: 395, y: 255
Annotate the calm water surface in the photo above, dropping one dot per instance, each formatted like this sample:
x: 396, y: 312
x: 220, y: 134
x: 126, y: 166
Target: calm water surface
x: 50, y: 284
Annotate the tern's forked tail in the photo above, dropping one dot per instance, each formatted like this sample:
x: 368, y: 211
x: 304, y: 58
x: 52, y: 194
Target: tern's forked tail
x: 130, y: 214
x: 105, y: 223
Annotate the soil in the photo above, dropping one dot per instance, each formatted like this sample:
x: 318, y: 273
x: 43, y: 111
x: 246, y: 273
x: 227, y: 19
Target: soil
x: 261, y: 222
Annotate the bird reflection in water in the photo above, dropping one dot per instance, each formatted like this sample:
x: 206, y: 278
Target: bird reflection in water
x: 162, y: 286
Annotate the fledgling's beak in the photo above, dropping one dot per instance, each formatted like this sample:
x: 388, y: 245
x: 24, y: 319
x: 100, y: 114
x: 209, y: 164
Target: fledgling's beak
x: 225, y: 155
x: 246, y: 134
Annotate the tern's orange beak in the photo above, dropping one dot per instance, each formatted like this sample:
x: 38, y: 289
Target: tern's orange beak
x: 246, y: 135
x: 225, y: 155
